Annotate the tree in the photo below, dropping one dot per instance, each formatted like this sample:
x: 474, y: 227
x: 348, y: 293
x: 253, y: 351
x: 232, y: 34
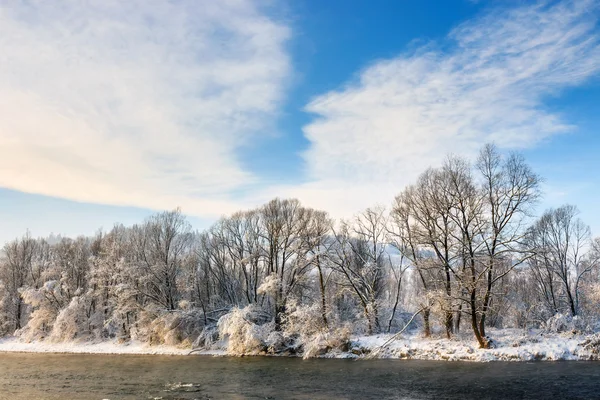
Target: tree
x: 462, y: 228
x: 359, y: 257
x: 286, y: 248
x: 466, y: 213
x: 319, y: 243
x: 241, y: 238
x: 510, y: 188
x: 17, y: 270
x: 558, y: 240
x: 424, y: 234
x: 161, y: 244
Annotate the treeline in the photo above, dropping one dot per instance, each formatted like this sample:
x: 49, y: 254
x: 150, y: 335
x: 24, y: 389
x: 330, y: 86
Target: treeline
x: 460, y: 246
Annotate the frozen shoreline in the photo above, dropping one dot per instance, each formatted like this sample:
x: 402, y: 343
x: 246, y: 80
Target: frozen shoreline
x: 511, y: 345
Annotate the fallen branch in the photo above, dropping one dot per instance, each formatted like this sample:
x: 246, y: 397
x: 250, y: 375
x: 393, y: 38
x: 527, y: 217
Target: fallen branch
x: 395, y: 337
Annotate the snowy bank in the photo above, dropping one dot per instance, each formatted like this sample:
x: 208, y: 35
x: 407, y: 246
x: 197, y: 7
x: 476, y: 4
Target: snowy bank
x: 13, y: 344
x: 510, y: 345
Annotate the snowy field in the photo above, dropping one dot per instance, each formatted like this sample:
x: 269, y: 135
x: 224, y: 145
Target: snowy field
x: 510, y: 345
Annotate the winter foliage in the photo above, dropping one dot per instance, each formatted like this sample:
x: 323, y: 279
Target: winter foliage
x: 459, y: 254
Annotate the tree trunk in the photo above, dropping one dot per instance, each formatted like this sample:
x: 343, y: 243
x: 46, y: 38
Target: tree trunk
x: 458, y: 318
x: 395, y: 305
x: 323, y: 300
x: 571, y: 303
x: 449, y: 319
x: 426, y: 325
x: 18, y: 312
x: 449, y: 324
x: 487, y: 297
x: 376, y: 315
x: 483, y: 343
x: 368, y: 317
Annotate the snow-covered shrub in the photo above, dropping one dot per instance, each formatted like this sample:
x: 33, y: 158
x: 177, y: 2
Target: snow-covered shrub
x: 184, y: 305
x: 246, y: 330
x: 70, y: 322
x: 6, y: 319
x: 305, y: 325
x: 45, y: 302
x: 151, y: 326
x: 183, y: 327
x: 270, y: 285
x: 326, y: 340
x: 277, y: 342
x: 592, y: 345
x: 303, y: 320
x: 124, y: 310
x: 164, y: 330
x: 82, y: 318
x: 174, y: 328
x: 561, y: 323
x: 590, y: 306
x: 59, y: 316
x: 207, y: 337
x: 145, y: 325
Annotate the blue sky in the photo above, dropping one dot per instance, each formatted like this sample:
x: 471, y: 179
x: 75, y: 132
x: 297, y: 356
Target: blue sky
x: 112, y: 110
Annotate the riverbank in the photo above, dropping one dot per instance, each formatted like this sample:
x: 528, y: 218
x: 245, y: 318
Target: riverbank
x: 15, y: 345
x: 509, y: 345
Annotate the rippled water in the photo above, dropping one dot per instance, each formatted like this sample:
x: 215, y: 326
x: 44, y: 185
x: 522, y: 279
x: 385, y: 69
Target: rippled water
x: 58, y: 376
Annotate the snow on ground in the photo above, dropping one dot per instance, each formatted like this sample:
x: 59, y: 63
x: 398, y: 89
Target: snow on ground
x: 13, y: 344
x: 510, y: 345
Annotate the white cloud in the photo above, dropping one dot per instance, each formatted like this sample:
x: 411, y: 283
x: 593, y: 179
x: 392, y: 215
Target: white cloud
x: 488, y: 83
x: 147, y: 102
x: 141, y: 103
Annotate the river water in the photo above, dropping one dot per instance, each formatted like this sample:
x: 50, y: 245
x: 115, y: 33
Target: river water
x: 74, y: 376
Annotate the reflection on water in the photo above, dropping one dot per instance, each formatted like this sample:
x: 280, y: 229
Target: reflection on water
x: 61, y: 376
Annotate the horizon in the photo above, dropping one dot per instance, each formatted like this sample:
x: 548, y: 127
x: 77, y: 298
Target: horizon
x: 112, y: 111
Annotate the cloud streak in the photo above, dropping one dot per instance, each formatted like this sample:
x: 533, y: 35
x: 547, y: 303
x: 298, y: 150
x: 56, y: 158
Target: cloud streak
x: 141, y: 103
x: 148, y: 103
x: 487, y: 82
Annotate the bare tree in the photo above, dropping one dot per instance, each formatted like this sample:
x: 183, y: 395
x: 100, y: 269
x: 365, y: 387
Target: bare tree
x: 558, y: 239
x: 359, y: 257
x: 286, y: 248
x: 405, y: 236
x: 71, y: 257
x: 319, y: 243
x: 241, y: 237
x: 161, y: 244
x: 425, y: 227
x: 467, y: 215
x: 16, y: 270
x: 510, y: 189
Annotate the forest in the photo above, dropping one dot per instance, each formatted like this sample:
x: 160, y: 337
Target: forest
x: 462, y: 249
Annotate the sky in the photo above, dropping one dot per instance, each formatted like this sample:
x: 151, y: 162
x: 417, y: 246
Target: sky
x: 111, y: 111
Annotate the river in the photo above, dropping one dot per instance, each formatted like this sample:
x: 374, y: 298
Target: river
x: 77, y: 376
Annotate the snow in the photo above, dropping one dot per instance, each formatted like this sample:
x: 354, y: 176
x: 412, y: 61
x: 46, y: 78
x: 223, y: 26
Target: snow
x: 511, y: 345
x: 13, y: 344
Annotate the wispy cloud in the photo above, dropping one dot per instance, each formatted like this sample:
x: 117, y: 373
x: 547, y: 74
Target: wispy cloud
x: 138, y: 102
x: 147, y: 103
x: 487, y: 82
